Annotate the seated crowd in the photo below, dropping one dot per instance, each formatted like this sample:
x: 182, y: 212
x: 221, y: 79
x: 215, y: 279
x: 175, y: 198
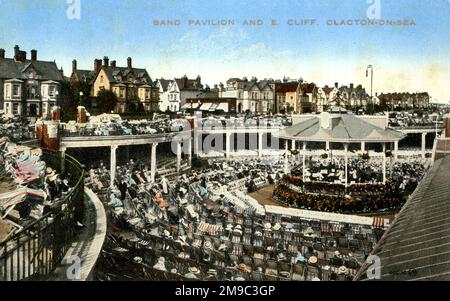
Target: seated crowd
x: 28, y: 187
x: 200, y: 227
x: 322, y: 190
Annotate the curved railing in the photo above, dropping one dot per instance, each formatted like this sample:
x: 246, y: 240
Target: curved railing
x: 34, y: 252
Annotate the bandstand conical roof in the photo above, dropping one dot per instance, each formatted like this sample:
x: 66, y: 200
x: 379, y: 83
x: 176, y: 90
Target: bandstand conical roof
x: 342, y: 127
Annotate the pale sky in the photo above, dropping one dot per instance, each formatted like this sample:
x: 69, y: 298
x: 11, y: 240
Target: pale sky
x: 405, y: 58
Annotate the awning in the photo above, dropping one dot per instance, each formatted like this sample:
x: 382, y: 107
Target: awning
x: 222, y: 107
x: 213, y: 107
x: 190, y: 106
x: 205, y: 107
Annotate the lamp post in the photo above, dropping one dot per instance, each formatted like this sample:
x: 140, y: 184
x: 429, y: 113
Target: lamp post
x: 371, y: 85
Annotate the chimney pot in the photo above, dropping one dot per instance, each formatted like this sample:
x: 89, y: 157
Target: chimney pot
x: 105, y: 61
x: 74, y: 65
x: 113, y: 64
x: 16, y: 51
x: 130, y: 63
x: 34, y: 55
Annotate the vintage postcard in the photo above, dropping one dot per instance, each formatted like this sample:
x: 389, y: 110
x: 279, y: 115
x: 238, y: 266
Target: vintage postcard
x: 268, y: 142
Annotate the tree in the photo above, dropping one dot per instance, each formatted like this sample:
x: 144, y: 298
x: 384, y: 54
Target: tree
x: 106, y: 101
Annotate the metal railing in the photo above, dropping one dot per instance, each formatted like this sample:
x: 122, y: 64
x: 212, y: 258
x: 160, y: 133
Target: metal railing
x: 35, y: 251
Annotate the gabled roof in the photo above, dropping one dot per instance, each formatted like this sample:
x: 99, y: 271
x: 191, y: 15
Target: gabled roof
x: 117, y: 75
x: 286, y: 87
x: 164, y: 83
x: 185, y: 84
x: 85, y: 75
x: 307, y: 88
x: 9, y: 68
x: 327, y: 90
x: 342, y: 128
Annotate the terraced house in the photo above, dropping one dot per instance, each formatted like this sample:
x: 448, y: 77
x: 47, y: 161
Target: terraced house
x: 405, y: 100
x: 132, y: 86
x: 28, y: 87
x: 252, y: 95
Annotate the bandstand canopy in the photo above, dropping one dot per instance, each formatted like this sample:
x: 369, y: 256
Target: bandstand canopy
x: 342, y: 127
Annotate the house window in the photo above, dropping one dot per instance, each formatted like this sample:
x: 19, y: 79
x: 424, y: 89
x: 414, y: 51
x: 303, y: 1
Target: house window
x: 7, y: 91
x: 147, y: 93
x: 101, y: 79
x: 15, y: 109
x: 51, y: 91
x: 122, y: 92
x: 15, y: 90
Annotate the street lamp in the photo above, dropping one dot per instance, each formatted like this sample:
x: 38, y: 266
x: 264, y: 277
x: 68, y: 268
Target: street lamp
x: 371, y: 85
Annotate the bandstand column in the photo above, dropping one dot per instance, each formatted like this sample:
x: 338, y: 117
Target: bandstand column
x: 286, y: 168
x: 384, y: 163
x: 189, y: 147
x: 327, y: 145
x: 113, y: 163
x: 304, y: 161
x: 227, y: 144
x: 153, y: 163
x: 346, y: 164
x: 178, y: 156
x: 260, y: 144
x: 363, y: 147
x: 396, y: 150
x: 424, y: 144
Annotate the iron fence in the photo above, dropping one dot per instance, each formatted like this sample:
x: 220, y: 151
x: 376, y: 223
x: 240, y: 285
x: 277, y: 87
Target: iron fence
x: 34, y: 252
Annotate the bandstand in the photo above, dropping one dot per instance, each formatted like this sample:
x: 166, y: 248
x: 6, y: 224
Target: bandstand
x: 340, y: 127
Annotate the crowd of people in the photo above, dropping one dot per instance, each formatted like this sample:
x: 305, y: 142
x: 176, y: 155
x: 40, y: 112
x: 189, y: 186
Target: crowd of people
x: 322, y: 187
x: 16, y: 129
x: 115, y: 126
x: 411, y: 120
x: 202, y: 227
x: 239, y: 122
x: 28, y: 186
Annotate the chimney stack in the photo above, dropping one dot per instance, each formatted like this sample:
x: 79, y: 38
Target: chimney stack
x: 2, y: 54
x: 74, y: 66
x: 351, y: 86
x: 130, y: 63
x: 16, y: 51
x: 113, y: 64
x: 62, y: 72
x: 33, y: 55
x: 336, y: 85
x: 185, y: 82
x: 97, y: 66
x: 106, y: 61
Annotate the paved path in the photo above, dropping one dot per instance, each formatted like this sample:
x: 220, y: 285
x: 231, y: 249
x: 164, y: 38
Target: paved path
x: 85, y: 251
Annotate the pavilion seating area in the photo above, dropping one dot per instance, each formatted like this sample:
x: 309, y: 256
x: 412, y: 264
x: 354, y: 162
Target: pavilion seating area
x: 201, y: 227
